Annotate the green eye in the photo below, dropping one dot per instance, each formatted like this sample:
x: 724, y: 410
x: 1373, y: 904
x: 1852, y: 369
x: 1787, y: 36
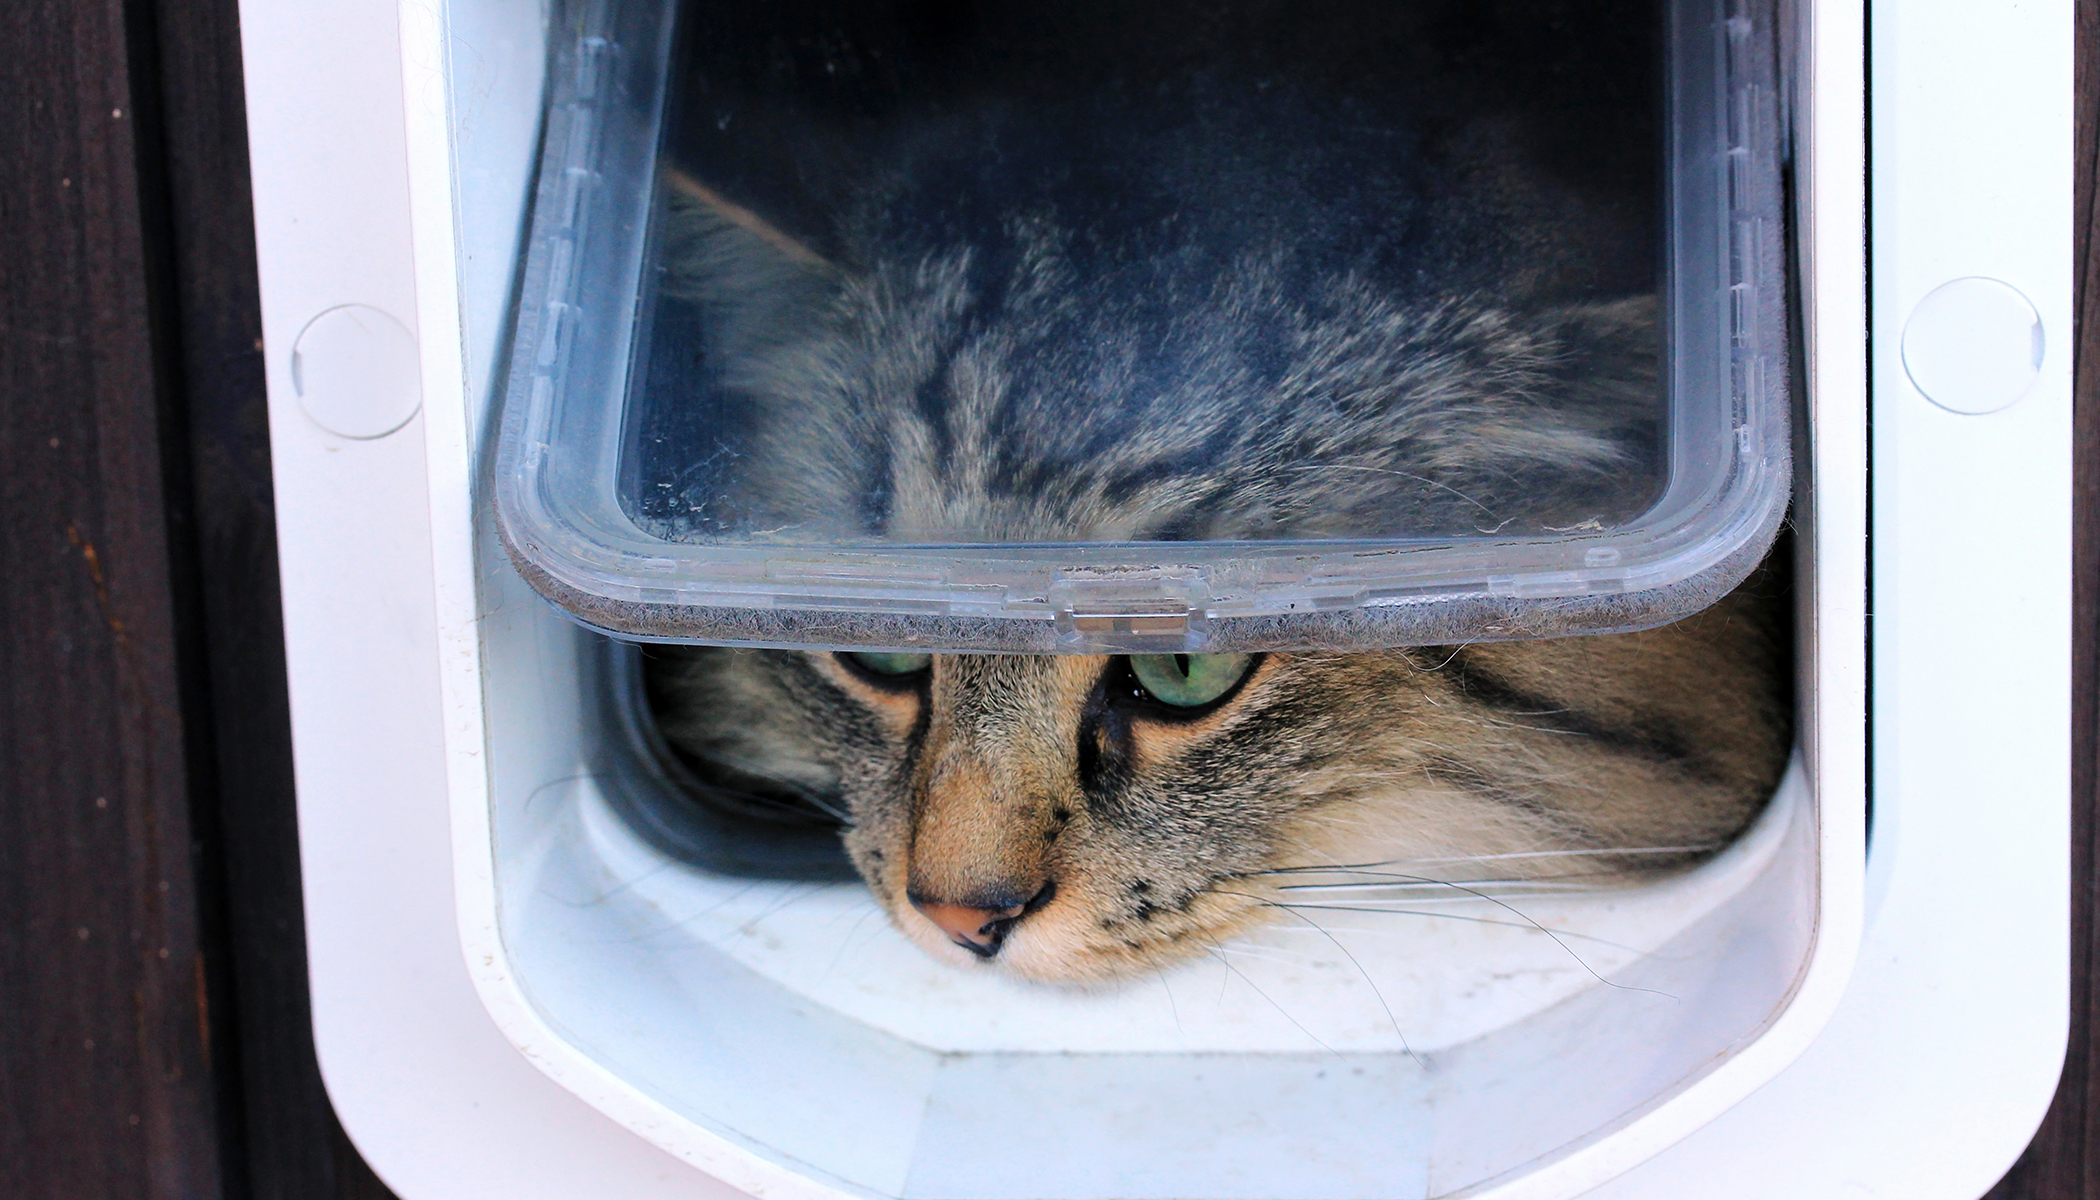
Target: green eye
x: 893, y: 664
x: 1189, y: 680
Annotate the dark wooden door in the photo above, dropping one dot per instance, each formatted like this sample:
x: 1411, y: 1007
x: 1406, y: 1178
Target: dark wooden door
x: 153, y: 1010
x: 154, y: 1039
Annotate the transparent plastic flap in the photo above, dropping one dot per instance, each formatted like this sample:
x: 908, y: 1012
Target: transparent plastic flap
x: 1178, y: 326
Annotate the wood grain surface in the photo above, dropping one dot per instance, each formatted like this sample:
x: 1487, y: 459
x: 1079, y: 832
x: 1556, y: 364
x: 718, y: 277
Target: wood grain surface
x: 114, y: 1080
x: 154, y: 1038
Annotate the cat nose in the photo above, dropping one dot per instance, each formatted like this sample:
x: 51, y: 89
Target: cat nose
x: 980, y: 928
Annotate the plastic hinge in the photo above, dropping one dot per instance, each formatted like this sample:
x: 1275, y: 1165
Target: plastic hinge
x: 592, y: 61
x: 1131, y: 607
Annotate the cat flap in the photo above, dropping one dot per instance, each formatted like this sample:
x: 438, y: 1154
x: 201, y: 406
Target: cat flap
x: 1183, y: 326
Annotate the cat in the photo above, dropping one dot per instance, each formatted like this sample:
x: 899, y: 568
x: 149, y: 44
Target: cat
x: 1270, y: 282
x: 1070, y: 818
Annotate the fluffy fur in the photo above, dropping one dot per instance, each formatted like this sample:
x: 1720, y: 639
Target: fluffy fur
x: 1314, y: 278
x: 985, y: 778
x: 941, y: 400
x: 945, y: 270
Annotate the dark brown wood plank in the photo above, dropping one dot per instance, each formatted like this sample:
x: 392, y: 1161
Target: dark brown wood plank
x: 154, y: 1035
x: 2063, y: 1161
x: 110, y: 1079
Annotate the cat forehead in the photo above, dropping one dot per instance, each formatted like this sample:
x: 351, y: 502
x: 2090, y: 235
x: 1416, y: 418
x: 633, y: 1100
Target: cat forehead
x: 995, y: 674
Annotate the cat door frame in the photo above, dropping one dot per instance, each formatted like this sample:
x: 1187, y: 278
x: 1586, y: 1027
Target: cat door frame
x: 377, y: 553
x: 548, y: 992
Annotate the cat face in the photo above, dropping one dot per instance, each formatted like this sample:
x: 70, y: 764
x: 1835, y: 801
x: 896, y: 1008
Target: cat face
x: 1078, y: 818
x: 1058, y: 816
x: 1380, y: 299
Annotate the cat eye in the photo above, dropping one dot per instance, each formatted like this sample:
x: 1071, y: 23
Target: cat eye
x: 1189, y: 680
x: 890, y: 664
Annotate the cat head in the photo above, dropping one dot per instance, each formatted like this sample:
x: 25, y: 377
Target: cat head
x: 1022, y: 387
x: 1079, y: 818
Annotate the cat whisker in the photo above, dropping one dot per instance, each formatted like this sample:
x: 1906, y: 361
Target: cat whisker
x: 1448, y: 659
x: 535, y: 793
x: 811, y: 799
x: 1451, y: 916
x: 1404, y: 475
x: 682, y: 922
x: 1499, y: 724
x: 1368, y: 981
x: 1218, y: 953
x: 1568, y: 882
x: 814, y: 801
x: 801, y: 795
x: 1319, y: 869
x: 1702, y: 848
x: 789, y: 897
x: 823, y: 805
x: 1559, y: 885
x: 1266, y: 954
x: 1172, y: 1007
x: 1394, y: 879
x: 869, y: 909
x: 1526, y: 918
x: 611, y: 892
x: 793, y: 808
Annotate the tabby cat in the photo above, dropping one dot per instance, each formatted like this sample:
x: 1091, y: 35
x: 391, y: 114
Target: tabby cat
x: 1184, y: 272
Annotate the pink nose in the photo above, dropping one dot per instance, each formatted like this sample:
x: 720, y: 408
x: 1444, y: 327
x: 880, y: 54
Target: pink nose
x: 978, y: 930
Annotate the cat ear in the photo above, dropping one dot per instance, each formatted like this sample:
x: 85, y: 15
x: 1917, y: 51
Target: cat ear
x: 757, y: 282
x: 708, y: 211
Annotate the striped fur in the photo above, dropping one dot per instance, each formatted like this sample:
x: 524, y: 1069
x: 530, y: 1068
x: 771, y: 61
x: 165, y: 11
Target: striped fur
x: 992, y: 775
x: 947, y: 399
x: 1271, y: 273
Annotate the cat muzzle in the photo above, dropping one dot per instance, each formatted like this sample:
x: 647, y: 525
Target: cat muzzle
x: 981, y: 931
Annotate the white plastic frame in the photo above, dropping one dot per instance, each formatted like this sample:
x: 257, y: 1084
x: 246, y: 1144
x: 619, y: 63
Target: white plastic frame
x: 476, y: 783
x: 443, y: 1106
